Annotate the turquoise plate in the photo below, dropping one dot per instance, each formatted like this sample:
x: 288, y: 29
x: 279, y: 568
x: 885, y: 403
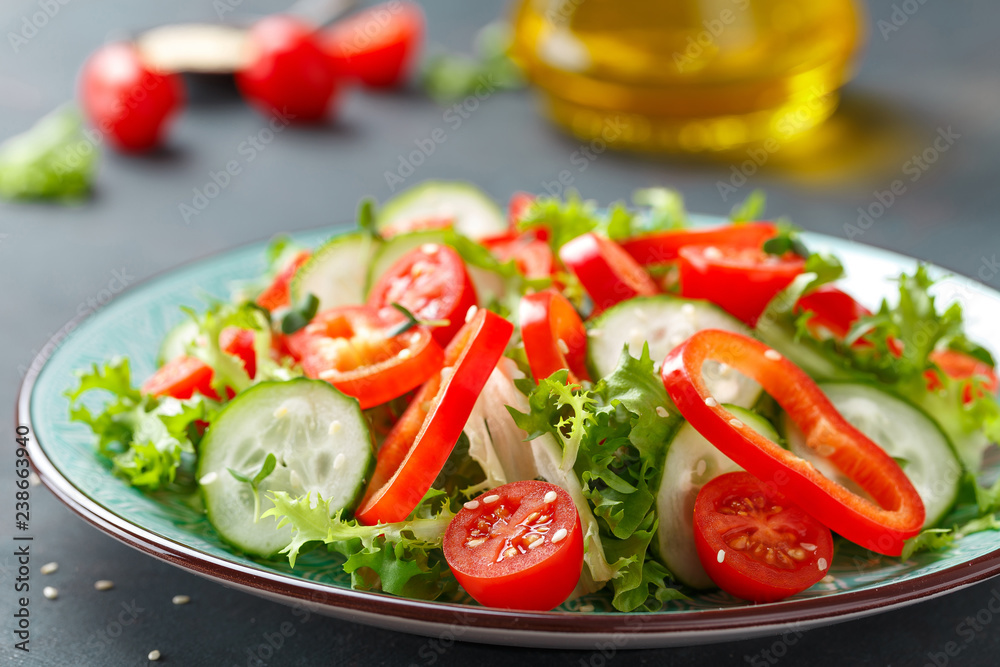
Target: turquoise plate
x: 178, y: 532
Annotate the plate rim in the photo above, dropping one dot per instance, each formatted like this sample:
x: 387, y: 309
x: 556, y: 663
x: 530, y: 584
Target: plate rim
x: 481, y: 624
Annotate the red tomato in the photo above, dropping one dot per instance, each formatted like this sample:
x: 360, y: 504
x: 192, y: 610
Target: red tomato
x: 755, y: 543
x: 532, y: 255
x: 419, y: 444
x: 519, y: 546
x: 833, y: 312
x: 377, y: 46
x: 518, y: 206
x: 180, y: 378
x: 350, y: 347
x: 961, y: 366
x: 606, y: 271
x: 742, y: 281
x: 128, y: 102
x: 239, y: 343
x: 277, y: 295
x: 432, y: 283
x: 554, y: 337
x: 664, y: 247
x: 416, y: 225
x: 289, y: 77
x: 891, y: 510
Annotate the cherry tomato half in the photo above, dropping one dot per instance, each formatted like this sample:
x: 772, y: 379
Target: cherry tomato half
x: 606, y: 271
x: 127, y: 101
x: 961, y: 366
x: 519, y: 546
x: 288, y: 77
x: 180, y: 378
x: 432, y: 283
x: 756, y: 544
x: 531, y: 254
x: 350, y: 347
x: 277, y: 294
x: 419, y: 444
x: 378, y: 46
x: 834, y: 312
x: 553, y: 334
x: 742, y: 281
x: 664, y: 247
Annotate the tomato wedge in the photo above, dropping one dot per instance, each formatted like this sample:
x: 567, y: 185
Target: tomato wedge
x: 432, y: 283
x: 419, y: 445
x: 742, y: 281
x: 961, y: 366
x: 377, y: 46
x: 897, y: 512
x: 664, y: 247
x: 755, y: 543
x: 606, y: 271
x: 352, y: 349
x: 519, y: 546
x: 277, y: 294
x: 180, y: 378
x: 532, y: 255
x: 239, y: 343
x: 554, y: 337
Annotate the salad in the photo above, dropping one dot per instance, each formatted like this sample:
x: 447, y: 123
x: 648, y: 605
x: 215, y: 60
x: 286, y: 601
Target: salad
x: 561, y: 399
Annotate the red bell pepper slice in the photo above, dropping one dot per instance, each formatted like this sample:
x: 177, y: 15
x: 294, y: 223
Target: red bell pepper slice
x: 881, y: 526
x: 606, y: 271
x: 664, y: 247
x: 553, y: 334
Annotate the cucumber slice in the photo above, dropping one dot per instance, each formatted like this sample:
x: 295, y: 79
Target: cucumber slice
x: 664, y: 322
x: 475, y: 215
x: 489, y: 285
x: 336, y: 272
x: 904, y: 431
x: 803, y: 353
x: 321, y: 443
x: 692, y: 462
x: 177, y: 340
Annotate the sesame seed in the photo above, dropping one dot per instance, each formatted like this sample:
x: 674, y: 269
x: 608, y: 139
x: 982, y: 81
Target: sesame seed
x: 828, y: 579
x: 721, y: 556
x: 735, y: 423
x: 209, y: 478
x: 807, y: 546
x: 154, y: 655
x: 662, y: 412
x: 180, y: 599
x: 773, y: 355
x: 563, y: 347
x: 334, y: 427
x: 711, y: 402
x: 586, y: 607
x: 49, y: 568
x: 328, y: 373
x: 537, y: 543
x: 104, y: 585
x: 338, y: 461
x: 687, y: 310
x: 560, y: 535
x: 280, y: 412
x: 429, y: 248
x: 492, y: 498
x: 446, y: 372
x: 405, y: 353
x: 640, y: 314
x: 711, y: 252
x: 470, y: 313
x: 550, y: 497
x: 471, y: 505
x: 596, y: 333
x: 821, y: 563
x: 50, y: 592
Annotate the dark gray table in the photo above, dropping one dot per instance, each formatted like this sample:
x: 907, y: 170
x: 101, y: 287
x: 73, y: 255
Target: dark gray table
x: 941, y: 69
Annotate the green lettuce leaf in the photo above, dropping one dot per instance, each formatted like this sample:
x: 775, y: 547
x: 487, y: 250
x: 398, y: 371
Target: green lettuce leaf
x: 52, y: 160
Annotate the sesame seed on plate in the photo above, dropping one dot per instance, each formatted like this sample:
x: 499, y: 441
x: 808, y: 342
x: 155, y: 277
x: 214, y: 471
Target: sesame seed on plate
x: 662, y: 412
x: 154, y: 655
x: 50, y: 592
x: 550, y: 497
x: 49, y: 568
x: 773, y: 355
x: 180, y: 599
x: 104, y: 584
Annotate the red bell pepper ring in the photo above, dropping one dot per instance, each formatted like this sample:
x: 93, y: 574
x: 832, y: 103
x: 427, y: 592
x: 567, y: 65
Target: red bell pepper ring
x: 664, y: 247
x: 418, y: 446
x: 882, y: 527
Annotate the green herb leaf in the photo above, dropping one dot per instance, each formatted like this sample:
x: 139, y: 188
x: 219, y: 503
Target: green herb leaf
x: 239, y: 477
x: 266, y: 469
x: 300, y: 315
x: 750, y: 209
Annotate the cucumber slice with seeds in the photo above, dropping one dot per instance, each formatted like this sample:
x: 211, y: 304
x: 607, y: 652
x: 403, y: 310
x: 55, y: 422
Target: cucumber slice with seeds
x: 337, y: 271
x: 320, y: 441
x: 474, y: 214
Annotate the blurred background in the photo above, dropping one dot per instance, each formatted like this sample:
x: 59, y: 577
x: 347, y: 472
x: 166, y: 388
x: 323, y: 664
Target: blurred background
x: 875, y: 121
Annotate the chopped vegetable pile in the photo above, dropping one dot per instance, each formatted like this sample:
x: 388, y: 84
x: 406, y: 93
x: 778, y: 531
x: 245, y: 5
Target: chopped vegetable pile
x: 561, y: 400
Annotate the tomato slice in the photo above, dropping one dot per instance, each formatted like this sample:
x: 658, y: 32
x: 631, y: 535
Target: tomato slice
x: 554, y: 337
x: 897, y: 512
x: 742, y: 281
x: 606, y: 271
x: 377, y: 46
x: 834, y: 312
x: 755, y: 543
x: 239, y: 343
x: 518, y: 206
x: 180, y: 378
x: 961, y: 366
x: 419, y: 445
x: 531, y: 254
x: 277, y: 294
x: 519, y: 546
x: 432, y: 283
x: 664, y: 247
x: 350, y: 347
